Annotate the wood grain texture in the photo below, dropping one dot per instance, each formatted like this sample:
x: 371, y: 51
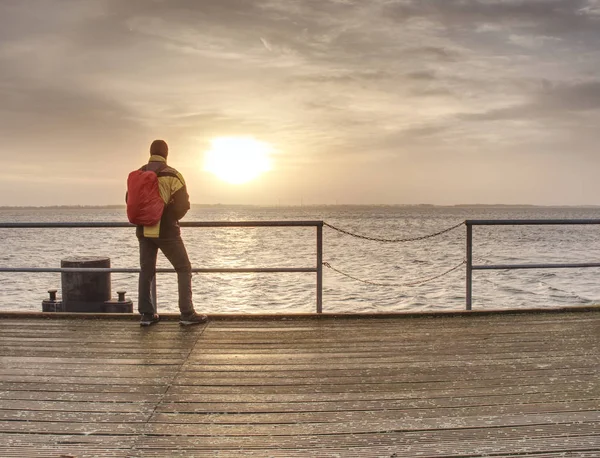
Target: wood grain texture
x: 465, y: 385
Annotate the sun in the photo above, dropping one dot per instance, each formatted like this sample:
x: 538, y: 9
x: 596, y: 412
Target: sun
x: 237, y: 160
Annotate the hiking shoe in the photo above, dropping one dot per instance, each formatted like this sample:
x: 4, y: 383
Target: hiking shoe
x: 149, y: 319
x: 192, y: 318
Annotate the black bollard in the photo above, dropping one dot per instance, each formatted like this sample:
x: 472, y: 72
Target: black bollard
x: 52, y: 304
x: 85, y: 292
x: 121, y: 305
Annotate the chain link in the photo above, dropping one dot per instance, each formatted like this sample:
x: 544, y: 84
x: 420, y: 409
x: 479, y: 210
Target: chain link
x: 376, y: 239
x: 397, y: 285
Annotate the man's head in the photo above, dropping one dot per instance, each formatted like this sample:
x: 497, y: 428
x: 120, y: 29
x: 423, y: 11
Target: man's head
x: 159, y: 148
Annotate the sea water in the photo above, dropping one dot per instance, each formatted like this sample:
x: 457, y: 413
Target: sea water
x: 391, y: 264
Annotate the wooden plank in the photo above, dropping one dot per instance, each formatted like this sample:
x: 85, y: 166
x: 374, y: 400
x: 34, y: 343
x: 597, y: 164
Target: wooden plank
x: 87, y: 370
x: 384, y: 412
x: 372, y: 384
x: 405, y: 335
x: 94, y: 341
x: 73, y: 417
x: 82, y: 397
x: 259, y: 394
x: 76, y: 406
x: 399, y: 338
x: 86, y: 429
x: 377, y: 451
x: 6, y: 361
x: 361, y: 321
x: 381, y: 375
x: 381, y: 347
x: 382, y: 359
x: 86, y: 353
x: 487, y: 364
x: 161, y: 374
x: 442, y: 325
x: 61, y: 382
x: 365, y: 405
x: 357, y: 427
x: 481, y: 442
x: 105, y: 387
x: 291, y: 347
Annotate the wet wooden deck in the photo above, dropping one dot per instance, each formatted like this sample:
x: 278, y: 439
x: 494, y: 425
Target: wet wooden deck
x: 498, y: 385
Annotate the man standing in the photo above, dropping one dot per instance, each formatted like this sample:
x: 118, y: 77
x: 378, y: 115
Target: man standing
x: 166, y: 236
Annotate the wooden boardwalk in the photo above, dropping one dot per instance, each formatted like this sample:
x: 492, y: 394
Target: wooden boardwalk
x: 496, y: 385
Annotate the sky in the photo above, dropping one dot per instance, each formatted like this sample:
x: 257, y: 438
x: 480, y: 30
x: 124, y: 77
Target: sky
x: 363, y: 102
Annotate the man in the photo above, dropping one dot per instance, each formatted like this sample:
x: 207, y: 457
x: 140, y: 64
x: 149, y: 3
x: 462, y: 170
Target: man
x: 166, y: 236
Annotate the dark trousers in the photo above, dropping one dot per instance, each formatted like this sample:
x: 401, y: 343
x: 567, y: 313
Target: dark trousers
x: 174, y: 251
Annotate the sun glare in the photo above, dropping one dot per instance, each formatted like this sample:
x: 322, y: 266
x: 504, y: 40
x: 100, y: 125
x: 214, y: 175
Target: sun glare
x: 237, y: 160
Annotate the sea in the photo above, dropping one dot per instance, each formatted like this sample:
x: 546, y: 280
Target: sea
x: 369, y: 275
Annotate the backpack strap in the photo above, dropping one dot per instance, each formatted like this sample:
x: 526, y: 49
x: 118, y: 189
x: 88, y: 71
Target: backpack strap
x: 162, y: 166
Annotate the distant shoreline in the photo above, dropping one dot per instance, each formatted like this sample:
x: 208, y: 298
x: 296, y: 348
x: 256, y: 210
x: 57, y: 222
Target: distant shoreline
x: 115, y: 207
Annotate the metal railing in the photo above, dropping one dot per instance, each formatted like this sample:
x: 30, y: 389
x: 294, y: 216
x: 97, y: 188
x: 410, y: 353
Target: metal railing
x: 517, y: 222
x: 318, y: 269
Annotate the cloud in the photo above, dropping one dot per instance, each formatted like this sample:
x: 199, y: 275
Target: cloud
x: 434, y: 53
x: 550, y: 101
x: 531, y: 41
x: 66, y: 122
x: 266, y: 44
x: 554, y: 17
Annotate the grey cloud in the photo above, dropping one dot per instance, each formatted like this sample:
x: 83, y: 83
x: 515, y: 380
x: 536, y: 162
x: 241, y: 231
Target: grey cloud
x: 215, y: 124
x: 423, y: 75
x: 550, y: 101
x: 344, y: 76
x: 75, y: 124
x: 572, y: 97
x: 435, y: 53
x: 240, y: 17
x: 425, y: 131
x: 548, y: 16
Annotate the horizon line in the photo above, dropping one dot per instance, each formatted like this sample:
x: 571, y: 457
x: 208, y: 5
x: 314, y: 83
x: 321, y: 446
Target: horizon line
x: 106, y: 206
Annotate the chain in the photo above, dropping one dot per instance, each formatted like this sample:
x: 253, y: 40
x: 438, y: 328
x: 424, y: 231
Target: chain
x: 397, y: 285
x: 375, y: 239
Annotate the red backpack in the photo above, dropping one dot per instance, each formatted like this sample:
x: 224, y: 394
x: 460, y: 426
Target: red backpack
x: 144, y: 204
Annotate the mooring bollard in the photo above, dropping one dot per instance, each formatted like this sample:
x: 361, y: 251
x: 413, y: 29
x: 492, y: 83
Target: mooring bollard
x: 121, y: 305
x: 52, y: 304
x: 85, y: 291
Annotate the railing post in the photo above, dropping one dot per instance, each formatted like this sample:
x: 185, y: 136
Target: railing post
x: 319, y: 268
x: 469, y: 266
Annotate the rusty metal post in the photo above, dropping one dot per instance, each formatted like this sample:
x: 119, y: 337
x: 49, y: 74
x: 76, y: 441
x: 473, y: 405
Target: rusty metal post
x: 320, y: 268
x: 469, y: 266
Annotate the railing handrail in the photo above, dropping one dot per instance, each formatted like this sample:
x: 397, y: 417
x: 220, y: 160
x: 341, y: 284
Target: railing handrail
x: 128, y: 270
x: 516, y: 222
x: 318, y: 269
x: 529, y: 222
x: 112, y: 224
x: 535, y: 266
